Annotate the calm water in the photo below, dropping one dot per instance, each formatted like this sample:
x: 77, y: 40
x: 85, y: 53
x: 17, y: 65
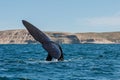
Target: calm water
x: 82, y: 62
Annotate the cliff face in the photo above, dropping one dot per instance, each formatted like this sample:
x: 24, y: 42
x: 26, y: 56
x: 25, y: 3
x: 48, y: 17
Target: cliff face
x: 23, y: 37
x: 15, y: 37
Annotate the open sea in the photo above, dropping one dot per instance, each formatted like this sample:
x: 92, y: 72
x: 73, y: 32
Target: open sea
x: 82, y: 62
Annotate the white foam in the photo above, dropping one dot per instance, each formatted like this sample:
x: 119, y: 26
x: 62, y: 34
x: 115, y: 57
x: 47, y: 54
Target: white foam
x: 55, y: 60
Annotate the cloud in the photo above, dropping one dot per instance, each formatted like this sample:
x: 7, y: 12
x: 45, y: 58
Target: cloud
x: 101, y: 21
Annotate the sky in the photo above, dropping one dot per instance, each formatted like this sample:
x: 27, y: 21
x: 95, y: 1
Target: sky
x: 61, y: 15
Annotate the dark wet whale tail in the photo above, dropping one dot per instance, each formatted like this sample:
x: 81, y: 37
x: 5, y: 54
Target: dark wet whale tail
x: 54, y: 50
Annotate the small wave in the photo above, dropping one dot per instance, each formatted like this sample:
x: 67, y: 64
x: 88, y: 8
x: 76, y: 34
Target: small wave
x: 40, y: 61
x: 3, y: 69
x: 74, y: 59
x: 13, y: 78
x: 31, y: 61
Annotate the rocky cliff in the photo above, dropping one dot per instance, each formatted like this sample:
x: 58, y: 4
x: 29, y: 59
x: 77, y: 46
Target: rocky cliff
x: 23, y: 37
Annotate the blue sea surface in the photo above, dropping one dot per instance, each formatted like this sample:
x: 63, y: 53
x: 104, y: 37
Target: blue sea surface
x: 82, y: 62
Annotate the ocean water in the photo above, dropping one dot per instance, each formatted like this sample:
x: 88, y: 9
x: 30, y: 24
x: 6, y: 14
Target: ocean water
x: 82, y: 62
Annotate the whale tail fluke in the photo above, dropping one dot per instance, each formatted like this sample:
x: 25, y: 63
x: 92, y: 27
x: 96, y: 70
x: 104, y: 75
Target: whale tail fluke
x: 54, y: 50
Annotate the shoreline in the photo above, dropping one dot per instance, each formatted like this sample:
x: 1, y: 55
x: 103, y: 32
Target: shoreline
x: 21, y: 36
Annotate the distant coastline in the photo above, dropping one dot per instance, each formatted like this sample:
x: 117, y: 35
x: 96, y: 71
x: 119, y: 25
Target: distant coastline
x: 21, y: 36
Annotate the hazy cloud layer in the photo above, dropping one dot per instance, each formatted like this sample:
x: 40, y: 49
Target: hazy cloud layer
x: 101, y: 21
